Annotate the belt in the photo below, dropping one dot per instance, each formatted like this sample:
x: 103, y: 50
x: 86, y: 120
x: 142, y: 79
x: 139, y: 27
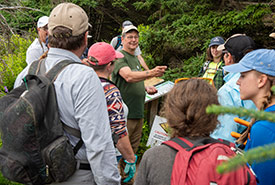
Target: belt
x: 83, y: 166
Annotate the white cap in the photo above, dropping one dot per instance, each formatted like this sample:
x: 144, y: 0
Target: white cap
x: 129, y: 28
x: 42, y: 21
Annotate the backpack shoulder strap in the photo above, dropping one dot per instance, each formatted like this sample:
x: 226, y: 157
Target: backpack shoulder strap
x: 55, y: 71
x: 209, y: 140
x: 52, y: 75
x: 35, y: 67
x: 205, y: 65
x: 118, y: 42
x: 179, y: 143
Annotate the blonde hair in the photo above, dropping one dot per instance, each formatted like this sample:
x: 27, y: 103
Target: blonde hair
x: 265, y: 102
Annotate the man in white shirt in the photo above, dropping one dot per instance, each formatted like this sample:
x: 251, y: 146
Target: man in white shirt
x: 80, y: 97
x: 38, y: 46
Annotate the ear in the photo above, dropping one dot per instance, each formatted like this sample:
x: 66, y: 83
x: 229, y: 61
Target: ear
x: 230, y: 59
x: 108, y: 67
x: 262, y: 80
x: 122, y: 39
x: 86, y: 39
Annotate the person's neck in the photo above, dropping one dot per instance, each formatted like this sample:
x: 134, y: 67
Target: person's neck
x: 78, y: 52
x: 103, y: 74
x: 259, y: 103
x: 217, y: 59
x: 130, y: 51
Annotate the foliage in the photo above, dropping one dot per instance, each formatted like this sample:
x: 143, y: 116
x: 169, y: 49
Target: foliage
x: 13, y: 59
x: 175, y: 33
x: 145, y: 135
x: 255, y: 155
x: 242, y: 112
x: 183, y: 30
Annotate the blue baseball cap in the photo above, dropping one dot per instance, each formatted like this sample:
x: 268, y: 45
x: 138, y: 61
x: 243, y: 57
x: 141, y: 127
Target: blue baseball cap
x: 261, y: 60
x: 216, y: 41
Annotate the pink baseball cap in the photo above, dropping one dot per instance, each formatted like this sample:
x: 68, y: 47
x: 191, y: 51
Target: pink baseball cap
x: 102, y: 53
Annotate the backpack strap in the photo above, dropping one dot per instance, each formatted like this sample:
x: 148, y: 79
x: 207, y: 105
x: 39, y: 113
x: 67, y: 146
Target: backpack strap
x: 179, y: 143
x: 118, y: 42
x: 38, y: 67
x: 52, y: 75
x: 76, y: 133
x: 205, y: 66
x: 55, y: 70
x: 189, y: 144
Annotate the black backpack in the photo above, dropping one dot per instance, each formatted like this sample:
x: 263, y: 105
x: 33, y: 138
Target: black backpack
x: 34, y: 147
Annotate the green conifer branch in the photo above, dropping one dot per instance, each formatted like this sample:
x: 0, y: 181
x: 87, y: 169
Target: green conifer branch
x: 255, y: 155
x: 258, y: 115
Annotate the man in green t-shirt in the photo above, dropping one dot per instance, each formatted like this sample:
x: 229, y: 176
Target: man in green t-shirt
x: 129, y: 78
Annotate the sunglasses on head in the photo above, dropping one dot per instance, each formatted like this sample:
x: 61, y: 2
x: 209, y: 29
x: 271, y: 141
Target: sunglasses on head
x: 208, y: 80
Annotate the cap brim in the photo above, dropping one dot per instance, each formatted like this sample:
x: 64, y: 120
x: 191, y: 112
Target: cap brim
x: 220, y: 47
x: 119, y: 54
x: 236, y: 68
x: 214, y: 44
x: 272, y: 35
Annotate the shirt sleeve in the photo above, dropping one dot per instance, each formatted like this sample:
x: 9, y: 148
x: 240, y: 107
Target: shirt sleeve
x: 114, y: 42
x: 138, y: 51
x: 33, y: 55
x: 19, y: 78
x: 261, y: 134
x: 115, y: 110
x: 227, y: 123
x: 121, y: 62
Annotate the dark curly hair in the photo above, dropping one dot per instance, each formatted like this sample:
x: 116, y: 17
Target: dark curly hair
x: 184, y: 109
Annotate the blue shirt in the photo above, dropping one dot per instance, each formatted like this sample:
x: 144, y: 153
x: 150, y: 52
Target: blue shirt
x: 229, y: 95
x: 82, y: 105
x: 262, y: 133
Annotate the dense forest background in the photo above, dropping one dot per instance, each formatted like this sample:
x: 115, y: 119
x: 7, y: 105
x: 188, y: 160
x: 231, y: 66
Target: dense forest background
x: 175, y: 33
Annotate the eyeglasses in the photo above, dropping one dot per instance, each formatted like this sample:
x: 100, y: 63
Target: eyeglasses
x: 208, y: 80
x: 131, y: 37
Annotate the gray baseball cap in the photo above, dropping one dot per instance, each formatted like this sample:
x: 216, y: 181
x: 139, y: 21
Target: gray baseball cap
x: 126, y: 23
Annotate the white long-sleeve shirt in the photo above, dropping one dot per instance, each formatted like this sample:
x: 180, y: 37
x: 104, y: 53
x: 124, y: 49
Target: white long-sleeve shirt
x: 35, y: 50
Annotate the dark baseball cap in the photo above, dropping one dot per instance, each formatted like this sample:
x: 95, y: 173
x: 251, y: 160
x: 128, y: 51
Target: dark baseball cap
x: 238, y: 45
x: 216, y: 41
x: 261, y: 60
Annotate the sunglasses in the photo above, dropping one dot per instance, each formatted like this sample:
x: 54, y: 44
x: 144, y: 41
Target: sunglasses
x: 208, y: 80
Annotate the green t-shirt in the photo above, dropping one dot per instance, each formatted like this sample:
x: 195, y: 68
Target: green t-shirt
x: 133, y: 94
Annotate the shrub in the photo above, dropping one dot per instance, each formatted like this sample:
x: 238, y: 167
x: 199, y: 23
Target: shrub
x: 13, y: 59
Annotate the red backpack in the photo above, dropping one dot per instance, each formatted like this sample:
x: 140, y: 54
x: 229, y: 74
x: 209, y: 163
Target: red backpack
x: 196, y: 161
